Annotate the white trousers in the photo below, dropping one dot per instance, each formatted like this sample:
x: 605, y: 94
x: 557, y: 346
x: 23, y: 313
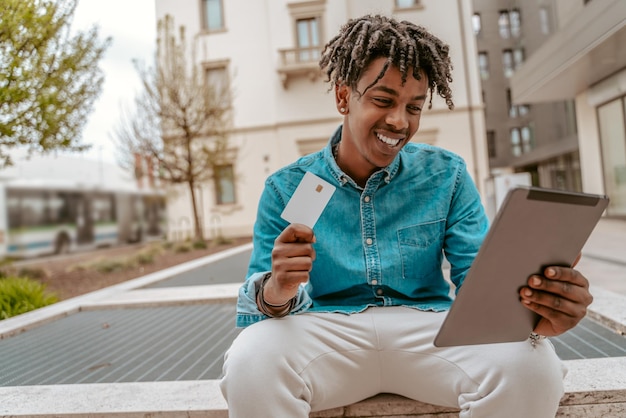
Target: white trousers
x: 288, y: 367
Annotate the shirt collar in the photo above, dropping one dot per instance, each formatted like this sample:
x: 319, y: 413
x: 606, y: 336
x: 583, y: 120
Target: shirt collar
x: 390, y: 171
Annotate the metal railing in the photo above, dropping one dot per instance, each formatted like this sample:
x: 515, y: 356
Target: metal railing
x: 301, y: 55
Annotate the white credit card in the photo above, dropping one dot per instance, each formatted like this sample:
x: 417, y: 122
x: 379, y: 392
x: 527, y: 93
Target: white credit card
x: 308, y: 201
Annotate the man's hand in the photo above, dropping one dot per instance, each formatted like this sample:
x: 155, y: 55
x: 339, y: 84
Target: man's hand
x: 560, y: 297
x: 292, y: 260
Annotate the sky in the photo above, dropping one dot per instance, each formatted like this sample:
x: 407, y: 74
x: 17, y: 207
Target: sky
x: 132, y: 26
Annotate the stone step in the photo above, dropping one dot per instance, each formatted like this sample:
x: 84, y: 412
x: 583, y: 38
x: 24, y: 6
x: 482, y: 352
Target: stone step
x: 594, y: 388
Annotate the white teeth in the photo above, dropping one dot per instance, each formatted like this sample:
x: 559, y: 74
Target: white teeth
x: 388, y: 141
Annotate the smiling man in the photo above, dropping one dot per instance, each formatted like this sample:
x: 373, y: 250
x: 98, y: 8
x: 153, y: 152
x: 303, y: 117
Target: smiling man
x: 379, y: 121
x: 350, y: 310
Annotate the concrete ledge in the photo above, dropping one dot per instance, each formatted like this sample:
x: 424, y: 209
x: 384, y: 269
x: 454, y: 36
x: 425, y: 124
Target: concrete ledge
x: 181, y: 295
x: 129, y: 400
x: 594, y: 387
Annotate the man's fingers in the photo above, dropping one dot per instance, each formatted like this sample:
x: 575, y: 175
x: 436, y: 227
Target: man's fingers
x: 292, y: 256
x: 560, y: 298
x: 562, y: 283
x: 291, y: 264
x: 291, y: 250
x: 566, y: 274
x: 296, y: 233
x: 551, y: 304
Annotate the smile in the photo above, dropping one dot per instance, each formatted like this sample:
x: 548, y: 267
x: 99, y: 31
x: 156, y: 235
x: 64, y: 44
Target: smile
x: 389, y: 141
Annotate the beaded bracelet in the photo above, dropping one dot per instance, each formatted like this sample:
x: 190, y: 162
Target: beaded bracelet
x: 535, y: 338
x: 263, y: 305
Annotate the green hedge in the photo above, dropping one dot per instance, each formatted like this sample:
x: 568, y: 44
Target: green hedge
x: 21, y: 294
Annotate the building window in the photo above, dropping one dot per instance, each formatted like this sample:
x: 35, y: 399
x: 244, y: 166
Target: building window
x: 528, y: 140
x: 504, y: 24
x: 544, y: 20
x: 516, y: 142
x: 212, y: 15
x: 516, y: 23
x: 491, y: 144
x: 301, y: 59
x: 224, y: 179
x: 523, y: 109
x: 217, y: 79
x: 408, y: 4
x: 507, y: 62
x: 515, y: 110
x: 513, y: 113
x: 483, y: 65
x: 571, y: 127
x: 308, y: 34
x: 476, y: 23
x: 518, y: 57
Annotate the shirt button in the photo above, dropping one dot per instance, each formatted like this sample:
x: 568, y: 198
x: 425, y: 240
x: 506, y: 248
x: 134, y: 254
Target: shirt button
x: 369, y: 241
x: 379, y: 292
x: 366, y: 198
x: 374, y: 282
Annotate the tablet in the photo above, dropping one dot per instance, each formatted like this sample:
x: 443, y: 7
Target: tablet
x: 533, y: 229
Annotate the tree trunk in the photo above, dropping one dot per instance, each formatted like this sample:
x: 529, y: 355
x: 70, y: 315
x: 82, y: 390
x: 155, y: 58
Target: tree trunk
x: 199, y: 233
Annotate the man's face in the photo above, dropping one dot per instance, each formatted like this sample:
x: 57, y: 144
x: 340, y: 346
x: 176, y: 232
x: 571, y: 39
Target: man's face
x: 381, y: 121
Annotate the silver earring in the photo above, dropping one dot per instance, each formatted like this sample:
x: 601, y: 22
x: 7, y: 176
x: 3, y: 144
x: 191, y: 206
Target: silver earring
x: 342, y: 110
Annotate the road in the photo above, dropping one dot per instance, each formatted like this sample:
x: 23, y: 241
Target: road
x: 229, y: 270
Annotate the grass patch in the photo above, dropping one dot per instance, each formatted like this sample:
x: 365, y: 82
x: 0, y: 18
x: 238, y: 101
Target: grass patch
x: 104, y: 265
x: 33, y: 272
x: 183, y: 247
x: 147, y: 254
x: 19, y: 295
x: 199, y: 245
x: 221, y: 240
x: 142, y: 257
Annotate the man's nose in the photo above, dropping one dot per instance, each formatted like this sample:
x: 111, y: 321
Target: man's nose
x: 397, y: 118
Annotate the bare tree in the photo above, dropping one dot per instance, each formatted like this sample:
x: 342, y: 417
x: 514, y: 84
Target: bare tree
x: 181, y: 120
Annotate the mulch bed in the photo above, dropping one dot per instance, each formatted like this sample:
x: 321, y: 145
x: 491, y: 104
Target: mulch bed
x: 62, y: 277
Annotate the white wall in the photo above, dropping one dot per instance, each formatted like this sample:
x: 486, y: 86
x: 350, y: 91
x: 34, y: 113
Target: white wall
x: 269, y: 120
x: 589, y: 132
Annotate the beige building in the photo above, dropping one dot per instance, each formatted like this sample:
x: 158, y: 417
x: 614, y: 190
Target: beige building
x: 283, y: 108
x: 585, y: 60
x: 536, y: 141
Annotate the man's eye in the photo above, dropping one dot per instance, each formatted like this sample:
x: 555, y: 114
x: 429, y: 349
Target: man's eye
x: 414, y: 109
x: 380, y: 101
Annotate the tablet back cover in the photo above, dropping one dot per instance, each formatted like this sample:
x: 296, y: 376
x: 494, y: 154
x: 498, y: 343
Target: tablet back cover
x: 534, y: 228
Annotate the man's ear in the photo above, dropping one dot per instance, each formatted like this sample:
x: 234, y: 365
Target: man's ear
x: 342, y: 95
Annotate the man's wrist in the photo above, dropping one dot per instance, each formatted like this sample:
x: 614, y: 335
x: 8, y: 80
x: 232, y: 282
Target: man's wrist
x: 273, y: 310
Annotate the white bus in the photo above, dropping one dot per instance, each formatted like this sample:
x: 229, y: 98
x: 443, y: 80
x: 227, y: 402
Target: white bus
x: 37, y: 219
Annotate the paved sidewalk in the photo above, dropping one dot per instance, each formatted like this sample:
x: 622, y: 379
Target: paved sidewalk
x: 604, y: 256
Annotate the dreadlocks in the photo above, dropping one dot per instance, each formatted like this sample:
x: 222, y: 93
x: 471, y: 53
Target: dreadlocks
x: 404, y: 44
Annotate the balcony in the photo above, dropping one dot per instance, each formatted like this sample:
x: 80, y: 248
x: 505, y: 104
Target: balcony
x: 299, y: 62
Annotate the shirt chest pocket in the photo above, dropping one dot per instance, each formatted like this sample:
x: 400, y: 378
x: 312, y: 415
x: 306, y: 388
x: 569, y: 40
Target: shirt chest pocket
x: 420, y: 249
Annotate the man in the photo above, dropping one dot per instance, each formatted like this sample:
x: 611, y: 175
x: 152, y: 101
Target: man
x: 351, y: 310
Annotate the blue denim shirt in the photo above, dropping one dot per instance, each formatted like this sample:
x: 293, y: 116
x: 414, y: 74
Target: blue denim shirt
x: 381, y: 245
